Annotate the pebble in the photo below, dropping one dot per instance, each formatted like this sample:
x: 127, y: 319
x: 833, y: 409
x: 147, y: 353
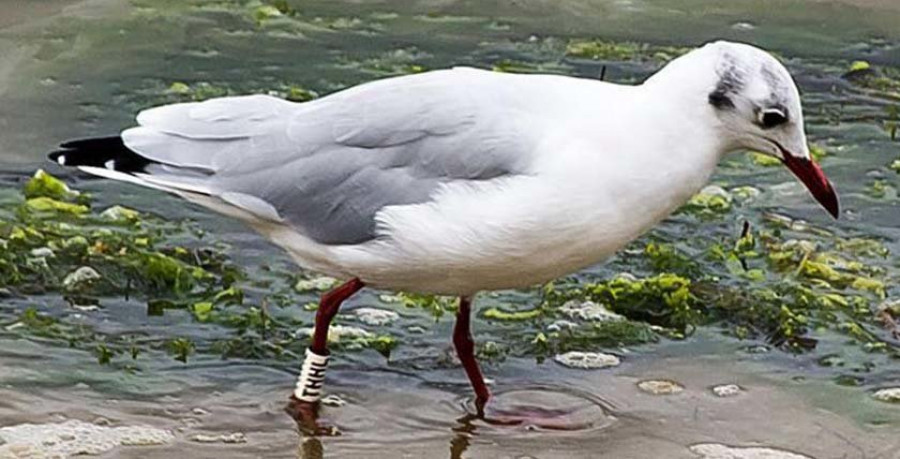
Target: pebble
x: 388, y: 298
x: 719, y: 451
x: 191, y: 422
x: 375, y: 317
x: 727, y: 390
x: 338, y: 332
x: 745, y: 193
x: 42, y: 252
x: 79, y: 277
x: 588, y: 310
x: 333, y: 400
x: 660, y: 387
x: 560, y: 325
x: 758, y: 349
x: 889, y: 306
x: 232, y: 438
x: 319, y: 284
x: 743, y: 26
x: 801, y: 245
x: 889, y: 395
x: 587, y: 360
x: 716, y: 190
x: 101, y: 421
x: 74, y: 438
x: 119, y: 213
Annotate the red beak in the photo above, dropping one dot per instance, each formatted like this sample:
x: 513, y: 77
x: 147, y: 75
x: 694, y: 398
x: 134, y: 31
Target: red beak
x: 812, y: 176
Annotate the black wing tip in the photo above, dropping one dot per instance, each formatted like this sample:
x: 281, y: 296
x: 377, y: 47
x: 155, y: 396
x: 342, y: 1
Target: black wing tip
x: 109, y: 152
x: 58, y: 156
x: 93, y: 142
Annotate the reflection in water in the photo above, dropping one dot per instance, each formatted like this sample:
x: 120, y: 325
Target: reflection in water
x: 461, y: 435
x: 311, y: 448
x: 537, y: 411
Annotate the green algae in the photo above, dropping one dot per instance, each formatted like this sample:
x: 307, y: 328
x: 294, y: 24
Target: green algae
x: 757, y: 285
x: 665, y: 299
x: 709, y: 202
x: 315, y: 284
x: 57, y: 242
x: 604, y: 335
x: 782, y: 282
x: 880, y: 81
x: 878, y: 188
x: 817, y: 152
x: 401, y: 61
x: 606, y: 50
x: 261, y: 13
x: 198, y: 91
x: 295, y: 93
x: 504, y: 315
x: 44, y: 185
x: 45, y: 205
x: 665, y: 257
x: 437, y: 305
x: 181, y: 349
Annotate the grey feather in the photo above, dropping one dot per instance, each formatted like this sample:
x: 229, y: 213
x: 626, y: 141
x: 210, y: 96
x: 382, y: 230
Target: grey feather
x: 328, y: 166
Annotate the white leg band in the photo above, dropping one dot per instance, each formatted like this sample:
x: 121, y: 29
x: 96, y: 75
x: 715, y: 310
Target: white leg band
x: 312, y: 377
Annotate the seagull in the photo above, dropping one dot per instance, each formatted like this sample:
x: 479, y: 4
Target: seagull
x: 461, y: 180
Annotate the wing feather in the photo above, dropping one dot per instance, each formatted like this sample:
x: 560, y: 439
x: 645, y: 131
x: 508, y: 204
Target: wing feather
x: 328, y: 166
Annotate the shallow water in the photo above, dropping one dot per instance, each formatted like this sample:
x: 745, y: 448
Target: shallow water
x: 71, y: 69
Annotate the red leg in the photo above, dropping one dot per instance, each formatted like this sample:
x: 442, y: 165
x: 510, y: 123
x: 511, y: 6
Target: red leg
x: 328, y: 307
x: 465, y: 349
x: 304, y: 403
x: 512, y: 415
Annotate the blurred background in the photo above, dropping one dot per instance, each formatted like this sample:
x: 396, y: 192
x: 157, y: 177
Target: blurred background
x: 133, y: 324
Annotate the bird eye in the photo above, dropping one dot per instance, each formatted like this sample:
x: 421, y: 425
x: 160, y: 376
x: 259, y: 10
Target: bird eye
x: 772, y: 117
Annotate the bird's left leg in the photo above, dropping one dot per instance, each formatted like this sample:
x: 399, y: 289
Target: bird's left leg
x: 305, y: 399
x: 465, y: 350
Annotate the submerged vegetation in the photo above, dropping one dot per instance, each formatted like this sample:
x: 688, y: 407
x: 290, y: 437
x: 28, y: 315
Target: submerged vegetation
x: 622, y: 51
x: 779, y: 280
x: 54, y: 244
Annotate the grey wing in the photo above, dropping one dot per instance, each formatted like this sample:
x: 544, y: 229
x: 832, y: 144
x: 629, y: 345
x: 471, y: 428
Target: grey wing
x: 327, y: 167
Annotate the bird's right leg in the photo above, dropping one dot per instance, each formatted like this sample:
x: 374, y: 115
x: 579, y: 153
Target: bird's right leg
x: 305, y: 399
x: 465, y: 350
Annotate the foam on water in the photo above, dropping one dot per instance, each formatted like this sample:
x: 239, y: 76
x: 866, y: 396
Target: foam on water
x: 74, y: 438
x: 717, y: 451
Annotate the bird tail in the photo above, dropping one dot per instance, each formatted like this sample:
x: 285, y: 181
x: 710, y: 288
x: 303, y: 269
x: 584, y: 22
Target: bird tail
x: 110, y: 158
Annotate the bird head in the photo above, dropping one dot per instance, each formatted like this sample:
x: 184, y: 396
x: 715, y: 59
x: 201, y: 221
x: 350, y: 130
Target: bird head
x: 757, y: 105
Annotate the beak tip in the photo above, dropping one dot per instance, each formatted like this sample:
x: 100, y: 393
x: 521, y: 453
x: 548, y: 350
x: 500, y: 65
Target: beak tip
x: 829, y: 200
x: 812, y: 176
